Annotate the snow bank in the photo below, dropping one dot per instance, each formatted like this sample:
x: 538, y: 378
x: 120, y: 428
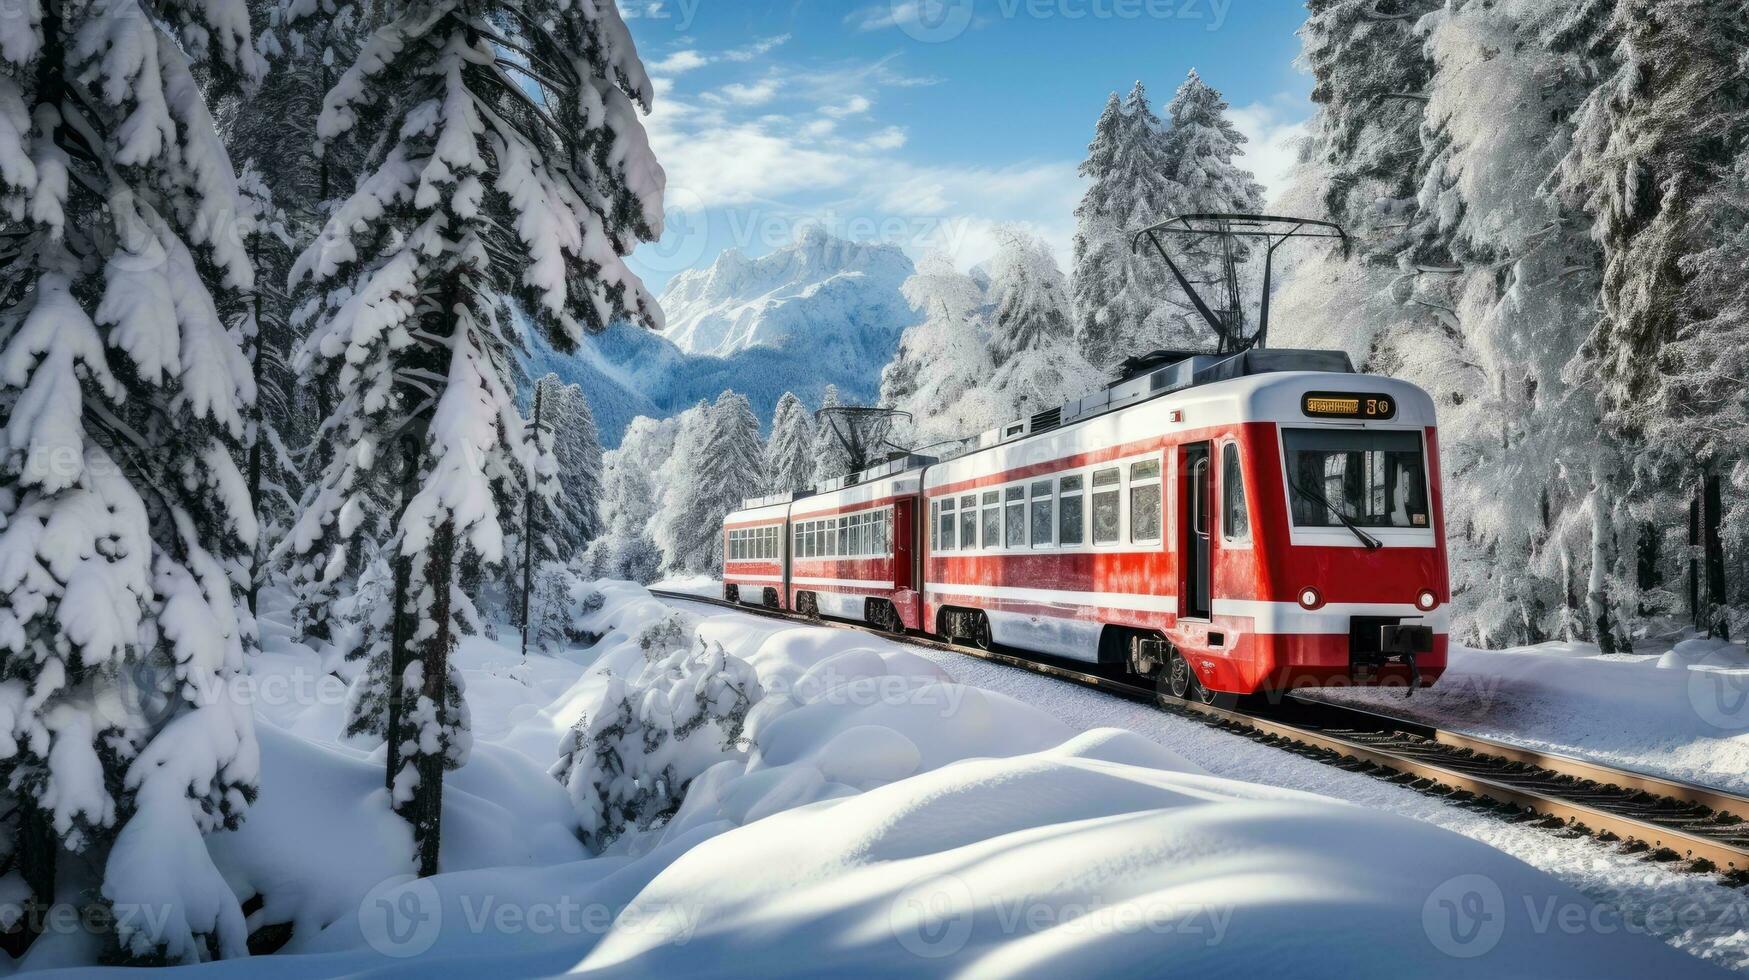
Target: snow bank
x: 882, y: 819
x: 1682, y: 713
x: 1103, y: 856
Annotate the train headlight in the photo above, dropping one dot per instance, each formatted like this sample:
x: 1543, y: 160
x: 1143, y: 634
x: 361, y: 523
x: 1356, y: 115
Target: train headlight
x: 1427, y: 601
x: 1310, y: 598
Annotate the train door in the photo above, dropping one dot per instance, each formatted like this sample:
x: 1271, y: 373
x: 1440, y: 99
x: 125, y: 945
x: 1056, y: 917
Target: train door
x: 1198, y: 492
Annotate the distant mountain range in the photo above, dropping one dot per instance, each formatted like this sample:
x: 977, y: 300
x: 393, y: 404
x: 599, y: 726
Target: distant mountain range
x: 821, y: 311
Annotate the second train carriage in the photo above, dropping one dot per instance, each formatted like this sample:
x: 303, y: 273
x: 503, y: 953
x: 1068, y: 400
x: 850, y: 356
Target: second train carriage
x: 1259, y: 522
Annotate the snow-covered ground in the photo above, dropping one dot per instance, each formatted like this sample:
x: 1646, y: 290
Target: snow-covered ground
x: 894, y: 810
x: 1681, y: 712
x: 699, y: 585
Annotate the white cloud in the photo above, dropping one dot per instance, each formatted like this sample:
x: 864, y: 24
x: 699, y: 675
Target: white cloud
x: 747, y: 93
x: 684, y: 60
x: 857, y: 105
x: 690, y: 59
x: 766, y: 152
x: 1274, y: 129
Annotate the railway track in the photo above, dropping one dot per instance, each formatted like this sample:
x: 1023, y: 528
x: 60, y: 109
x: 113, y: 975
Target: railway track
x: 1698, y: 828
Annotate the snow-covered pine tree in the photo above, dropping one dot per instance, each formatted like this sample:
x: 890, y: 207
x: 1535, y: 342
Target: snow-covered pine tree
x: 1370, y: 76
x: 831, y: 457
x: 126, y: 528
x: 1037, y: 363
x: 1118, y: 296
x: 506, y: 164
x: 1510, y: 276
x: 627, y: 765
x: 576, y: 516
x: 940, y: 359
x: 1654, y: 140
x: 1029, y: 295
x: 627, y: 547
x: 722, y: 466
x: 1702, y: 394
x: 789, y: 456
x: 274, y: 420
x: 1201, y: 147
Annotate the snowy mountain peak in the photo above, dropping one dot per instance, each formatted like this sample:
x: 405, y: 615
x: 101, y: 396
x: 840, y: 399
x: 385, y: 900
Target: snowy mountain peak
x: 821, y: 289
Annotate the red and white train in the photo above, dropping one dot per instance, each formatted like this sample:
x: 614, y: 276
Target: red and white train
x: 1251, y: 523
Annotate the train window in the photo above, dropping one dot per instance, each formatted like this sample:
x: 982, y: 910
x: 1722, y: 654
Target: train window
x: 883, y: 544
x: 992, y: 519
x: 934, y: 526
x: 948, y: 526
x: 1014, y: 517
x: 1069, y: 513
x: 969, y: 522
x: 1373, y: 478
x: 1043, y: 497
x: 1145, y: 512
x: 843, y: 537
x: 1107, y: 516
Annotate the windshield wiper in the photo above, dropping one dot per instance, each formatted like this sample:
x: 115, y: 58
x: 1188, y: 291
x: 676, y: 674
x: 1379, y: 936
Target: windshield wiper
x: 1372, y: 543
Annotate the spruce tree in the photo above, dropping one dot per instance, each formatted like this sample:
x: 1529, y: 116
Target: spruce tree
x: 789, y: 457
x: 476, y: 194
x: 1030, y: 297
x: 940, y: 359
x: 1119, y: 296
x: 1201, y: 147
x: 1370, y: 76
x: 126, y: 526
x: 1655, y: 139
x: 719, y: 462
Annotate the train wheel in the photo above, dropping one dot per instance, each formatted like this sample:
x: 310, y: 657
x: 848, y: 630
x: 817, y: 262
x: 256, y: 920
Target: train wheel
x: 890, y: 620
x: 981, y: 637
x: 1180, y: 678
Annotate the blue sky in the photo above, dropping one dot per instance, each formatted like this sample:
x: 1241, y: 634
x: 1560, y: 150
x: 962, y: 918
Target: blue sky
x: 926, y: 123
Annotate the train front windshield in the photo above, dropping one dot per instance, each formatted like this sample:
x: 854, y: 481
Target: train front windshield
x: 1361, y: 477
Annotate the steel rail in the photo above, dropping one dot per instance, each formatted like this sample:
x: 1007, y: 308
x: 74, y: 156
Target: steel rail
x: 1667, y: 818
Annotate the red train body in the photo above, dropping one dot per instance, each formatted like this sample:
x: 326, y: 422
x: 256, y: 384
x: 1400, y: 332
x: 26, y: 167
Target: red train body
x: 1259, y: 530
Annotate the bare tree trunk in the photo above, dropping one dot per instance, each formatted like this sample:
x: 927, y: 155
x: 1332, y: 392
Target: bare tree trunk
x: 530, y: 530
x: 425, y: 810
x: 401, y: 628
x: 1713, y: 554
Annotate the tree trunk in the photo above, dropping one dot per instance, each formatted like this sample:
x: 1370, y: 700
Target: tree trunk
x: 1713, y: 554
x: 425, y: 810
x: 38, y: 853
x: 1646, y: 565
x: 401, y: 629
x: 529, y: 529
x: 1597, y: 592
x: 1694, y: 608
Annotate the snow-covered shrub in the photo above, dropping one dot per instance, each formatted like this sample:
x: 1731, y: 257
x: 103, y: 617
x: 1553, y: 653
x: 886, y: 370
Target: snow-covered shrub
x: 627, y: 765
x: 561, y: 594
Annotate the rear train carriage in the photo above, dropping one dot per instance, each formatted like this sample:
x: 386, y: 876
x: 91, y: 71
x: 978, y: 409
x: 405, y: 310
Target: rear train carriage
x: 754, y: 560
